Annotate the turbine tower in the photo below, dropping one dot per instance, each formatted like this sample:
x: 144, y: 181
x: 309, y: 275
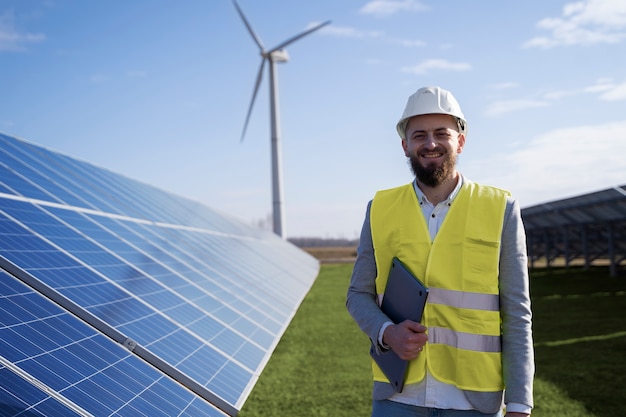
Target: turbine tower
x: 273, y: 56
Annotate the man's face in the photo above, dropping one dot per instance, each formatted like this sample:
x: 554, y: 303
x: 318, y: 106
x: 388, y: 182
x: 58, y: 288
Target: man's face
x: 432, y: 143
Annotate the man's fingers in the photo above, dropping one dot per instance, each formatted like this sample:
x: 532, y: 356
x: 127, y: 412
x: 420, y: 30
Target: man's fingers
x: 411, y: 353
x: 414, y: 326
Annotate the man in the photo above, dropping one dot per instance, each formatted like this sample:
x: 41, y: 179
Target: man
x: 475, y: 338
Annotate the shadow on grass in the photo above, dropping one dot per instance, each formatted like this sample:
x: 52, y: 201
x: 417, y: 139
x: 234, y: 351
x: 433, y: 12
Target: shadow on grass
x: 580, y: 338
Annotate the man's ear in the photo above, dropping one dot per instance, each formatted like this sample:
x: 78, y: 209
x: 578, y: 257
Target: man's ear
x: 405, y: 146
x: 459, y: 148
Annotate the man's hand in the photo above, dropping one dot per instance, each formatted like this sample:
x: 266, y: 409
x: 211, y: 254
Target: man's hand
x: 407, y: 339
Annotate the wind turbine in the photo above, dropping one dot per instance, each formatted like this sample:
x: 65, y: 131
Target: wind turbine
x: 273, y: 56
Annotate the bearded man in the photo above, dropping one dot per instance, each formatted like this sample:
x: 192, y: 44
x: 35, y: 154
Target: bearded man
x: 472, y: 354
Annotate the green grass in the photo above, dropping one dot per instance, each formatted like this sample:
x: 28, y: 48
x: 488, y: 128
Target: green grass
x: 321, y: 365
x: 580, y: 342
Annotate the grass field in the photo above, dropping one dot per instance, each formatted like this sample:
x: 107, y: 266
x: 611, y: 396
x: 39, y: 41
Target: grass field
x: 321, y: 365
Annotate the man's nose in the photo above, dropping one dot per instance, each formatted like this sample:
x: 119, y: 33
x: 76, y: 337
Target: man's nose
x: 430, y: 141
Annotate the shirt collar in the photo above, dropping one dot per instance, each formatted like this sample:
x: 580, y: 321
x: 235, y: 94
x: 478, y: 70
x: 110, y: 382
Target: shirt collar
x: 421, y: 197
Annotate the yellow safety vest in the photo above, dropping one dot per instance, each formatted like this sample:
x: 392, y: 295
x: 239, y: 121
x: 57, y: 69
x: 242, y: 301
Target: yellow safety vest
x: 460, y: 267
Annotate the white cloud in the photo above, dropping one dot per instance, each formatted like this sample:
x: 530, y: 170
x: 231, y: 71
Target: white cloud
x: 11, y: 39
x: 559, y: 94
x: 505, y: 85
x: 436, y: 64
x: 382, y: 8
x: 559, y: 163
x: 584, y: 23
x: 605, y: 89
x: 408, y: 43
x: 616, y: 92
x: 600, y: 86
x: 348, y: 32
x: 506, y: 106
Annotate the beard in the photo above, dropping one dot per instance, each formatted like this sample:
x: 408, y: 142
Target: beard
x: 433, y: 175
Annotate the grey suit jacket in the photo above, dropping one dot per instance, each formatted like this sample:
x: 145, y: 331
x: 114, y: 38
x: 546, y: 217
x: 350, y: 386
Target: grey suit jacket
x: 517, y: 343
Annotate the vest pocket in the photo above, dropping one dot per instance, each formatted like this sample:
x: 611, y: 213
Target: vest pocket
x: 480, y: 264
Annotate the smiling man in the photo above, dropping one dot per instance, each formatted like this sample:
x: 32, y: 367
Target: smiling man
x: 472, y: 353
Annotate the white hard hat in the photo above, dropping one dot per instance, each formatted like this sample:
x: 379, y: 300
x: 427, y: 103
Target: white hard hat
x: 431, y: 100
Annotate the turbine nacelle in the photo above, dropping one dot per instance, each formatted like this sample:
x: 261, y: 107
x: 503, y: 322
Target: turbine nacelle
x: 279, y: 55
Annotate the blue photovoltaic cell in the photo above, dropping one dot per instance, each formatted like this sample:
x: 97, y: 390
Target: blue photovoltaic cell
x: 20, y: 397
x: 82, y: 367
x: 204, y: 293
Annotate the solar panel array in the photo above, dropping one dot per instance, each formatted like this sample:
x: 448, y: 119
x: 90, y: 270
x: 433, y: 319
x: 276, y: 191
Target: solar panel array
x: 121, y: 299
x: 583, y: 228
x: 597, y: 207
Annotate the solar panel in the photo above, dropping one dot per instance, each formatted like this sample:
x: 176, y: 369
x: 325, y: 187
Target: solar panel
x: 585, y: 228
x: 198, y: 296
x: 53, y: 364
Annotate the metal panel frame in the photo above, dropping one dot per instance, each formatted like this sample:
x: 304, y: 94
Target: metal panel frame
x: 590, y: 228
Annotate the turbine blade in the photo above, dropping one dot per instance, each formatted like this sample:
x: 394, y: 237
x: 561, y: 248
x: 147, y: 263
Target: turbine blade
x: 259, y: 78
x: 295, y: 38
x: 245, y: 21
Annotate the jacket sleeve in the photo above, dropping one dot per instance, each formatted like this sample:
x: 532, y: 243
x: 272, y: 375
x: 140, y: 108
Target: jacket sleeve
x: 361, y: 297
x: 517, y: 342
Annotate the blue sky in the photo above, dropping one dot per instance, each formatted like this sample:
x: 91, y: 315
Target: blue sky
x: 158, y: 91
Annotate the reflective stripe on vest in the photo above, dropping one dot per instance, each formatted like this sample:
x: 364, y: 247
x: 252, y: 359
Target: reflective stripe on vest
x: 460, y: 267
x: 467, y: 341
x: 462, y: 299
